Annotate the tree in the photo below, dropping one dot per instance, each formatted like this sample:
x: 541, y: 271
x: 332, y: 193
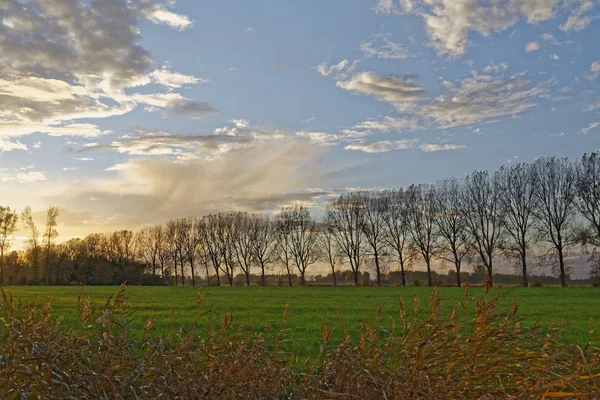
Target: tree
x: 191, y: 244
x: 422, y: 218
x: 147, y: 247
x: 209, y: 227
x: 226, y: 232
x: 283, y: 232
x: 8, y: 222
x: 555, y: 179
x: 302, y: 238
x: 483, y: 217
x: 397, y: 228
x: 373, y: 210
x: 455, y: 245
x: 34, y: 245
x: 517, y: 202
x: 242, y: 243
x: 50, y: 234
x: 264, y: 243
x: 588, y: 192
x: 173, y: 246
x: 344, y: 218
x: 329, y: 251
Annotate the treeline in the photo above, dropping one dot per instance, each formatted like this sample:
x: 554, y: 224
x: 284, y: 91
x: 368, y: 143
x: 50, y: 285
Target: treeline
x: 523, y: 213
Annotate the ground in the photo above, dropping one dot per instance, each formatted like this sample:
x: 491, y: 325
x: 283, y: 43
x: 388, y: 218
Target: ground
x: 309, y: 307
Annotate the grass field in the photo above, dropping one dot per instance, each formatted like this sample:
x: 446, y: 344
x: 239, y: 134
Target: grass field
x: 308, y: 307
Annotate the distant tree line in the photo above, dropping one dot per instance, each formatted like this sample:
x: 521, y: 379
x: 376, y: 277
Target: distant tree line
x: 528, y: 213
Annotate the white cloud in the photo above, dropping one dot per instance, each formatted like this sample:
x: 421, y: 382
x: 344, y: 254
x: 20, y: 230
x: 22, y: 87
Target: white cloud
x: 172, y: 80
x: 382, y: 47
x: 579, y: 18
x: 393, y: 89
x: 30, y: 177
x: 385, y: 146
x: 430, y: 147
x: 590, y: 127
x: 250, y: 29
x: 159, y: 14
x: 555, y: 57
x: 70, y: 169
x: 320, y: 138
x: 325, y: 68
x: 594, y: 70
x: 532, y: 46
x: 84, y: 159
x: 448, y: 23
x: 495, y: 68
x: 389, y: 123
x: 593, y: 107
x: 9, y: 145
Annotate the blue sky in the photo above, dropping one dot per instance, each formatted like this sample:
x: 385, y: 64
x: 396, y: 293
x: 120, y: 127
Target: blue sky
x: 126, y: 113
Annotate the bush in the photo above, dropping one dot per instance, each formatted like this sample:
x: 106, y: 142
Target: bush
x: 490, y: 356
x: 417, y: 283
x: 536, y: 284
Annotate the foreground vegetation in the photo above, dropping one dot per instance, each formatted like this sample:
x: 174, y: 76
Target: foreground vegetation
x: 476, y: 348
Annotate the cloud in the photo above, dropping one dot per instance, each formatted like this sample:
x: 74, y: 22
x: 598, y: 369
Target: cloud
x: 385, y: 146
x: 170, y: 79
x: 590, y: 127
x: 389, y: 123
x: 448, y: 23
x: 260, y: 178
x: 480, y: 98
x: 593, y: 107
x: 532, y: 46
x: 594, y: 70
x: 9, y: 145
x: 159, y: 14
x: 393, y: 89
x: 579, y: 18
x: 23, y: 177
x: 250, y: 29
x: 428, y: 148
x: 495, y: 68
x: 175, y: 105
x: 64, y: 60
x: 382, y: 47
x: 320, y: 138
x: 326, y: 69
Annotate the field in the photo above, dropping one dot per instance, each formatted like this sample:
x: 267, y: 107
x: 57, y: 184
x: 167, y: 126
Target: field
x: 308, y: 307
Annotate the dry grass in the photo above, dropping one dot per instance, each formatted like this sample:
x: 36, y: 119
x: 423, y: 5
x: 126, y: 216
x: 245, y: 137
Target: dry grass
x: 491, y: 356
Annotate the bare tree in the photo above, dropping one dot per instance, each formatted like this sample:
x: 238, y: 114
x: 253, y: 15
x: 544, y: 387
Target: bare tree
x: 162, y: 247
x: 147, y: 247
x: 517, y: 201
x: 555, y: 179
x: 422, y: 217
x: 34, y: 244
x: 483, y: 217
x: 8, y: 222
x: 344, y: 218
x: 191, y: 244
x: 172, y: 240
x: 242, y: 243
x: 49, y: 235
x: 226, y: 233
x: 397, y: 228
x: 454, y: 244
x: 210, y: 236
x: 264, y: 242
x: 373, y: 211
x: 588, y: 192
x: 283, y: 233
x: 329, y: 250
x: 303, y: 238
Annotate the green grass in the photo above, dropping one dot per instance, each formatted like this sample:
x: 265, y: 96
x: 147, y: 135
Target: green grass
x: 310, y: 306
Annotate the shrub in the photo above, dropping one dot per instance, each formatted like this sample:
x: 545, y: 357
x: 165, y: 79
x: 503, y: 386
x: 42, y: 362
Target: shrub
x: 536, y: 284
x: 417, y: 283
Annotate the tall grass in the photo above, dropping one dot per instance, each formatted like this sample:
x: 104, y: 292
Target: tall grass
x: 475, y: 352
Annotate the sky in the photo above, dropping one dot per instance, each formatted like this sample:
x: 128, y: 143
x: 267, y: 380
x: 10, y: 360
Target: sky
x: 130, y: 112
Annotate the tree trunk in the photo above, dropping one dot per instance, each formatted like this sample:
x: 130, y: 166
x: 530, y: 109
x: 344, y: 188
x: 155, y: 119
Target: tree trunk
x: 402, y: 273
x: 490, y: 270
x: 333, y: 275
x: 561, y: 262
x: 355, y: 277
x: 429, y: 279
x: 289, y: 278
x: 524, y: 265
x: 377, y: 269
x: 458, y: 282
x: 247, y: 278
x: 262, y: 276
x: 302, y: 280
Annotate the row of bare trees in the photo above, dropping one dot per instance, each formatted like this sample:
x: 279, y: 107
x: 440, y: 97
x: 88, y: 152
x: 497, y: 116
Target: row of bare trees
x: 522, y: 212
